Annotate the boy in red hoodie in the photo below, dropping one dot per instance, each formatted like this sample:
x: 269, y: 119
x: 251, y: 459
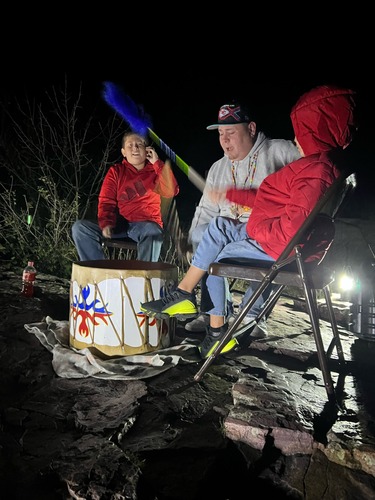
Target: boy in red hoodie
x: 129, y: 203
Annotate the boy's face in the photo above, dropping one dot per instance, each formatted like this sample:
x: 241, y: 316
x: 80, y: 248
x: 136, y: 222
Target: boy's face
x: 298, y: 146
x: 134, y: 150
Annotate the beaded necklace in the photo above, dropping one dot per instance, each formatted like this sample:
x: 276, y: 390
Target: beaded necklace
x: 239, y: 210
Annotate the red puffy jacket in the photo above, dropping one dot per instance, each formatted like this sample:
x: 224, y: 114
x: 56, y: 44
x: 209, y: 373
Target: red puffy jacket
x: 323, y: 120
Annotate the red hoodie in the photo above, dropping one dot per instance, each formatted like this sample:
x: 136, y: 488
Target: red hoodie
x: 134, y: 193
x: 323, y: 120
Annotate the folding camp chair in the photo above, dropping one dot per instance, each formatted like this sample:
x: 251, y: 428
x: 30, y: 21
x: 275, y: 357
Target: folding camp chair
x: 126, y: 248
x: 299, y: 265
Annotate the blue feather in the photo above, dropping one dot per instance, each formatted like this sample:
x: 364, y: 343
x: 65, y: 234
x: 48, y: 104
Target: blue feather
x: 137, y: 119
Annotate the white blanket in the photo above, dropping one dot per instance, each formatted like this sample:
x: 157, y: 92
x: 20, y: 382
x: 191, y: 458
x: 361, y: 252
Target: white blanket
x: 69, y: 362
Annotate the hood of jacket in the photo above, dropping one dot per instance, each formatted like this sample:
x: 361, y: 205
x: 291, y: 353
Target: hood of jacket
x: 324, y: 119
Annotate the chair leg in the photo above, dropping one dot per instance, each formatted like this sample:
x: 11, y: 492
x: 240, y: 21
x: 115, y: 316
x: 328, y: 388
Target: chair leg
x: 314, y: 318
x: 336, y: 341
x: 322, y: 357
x: 270, y: 302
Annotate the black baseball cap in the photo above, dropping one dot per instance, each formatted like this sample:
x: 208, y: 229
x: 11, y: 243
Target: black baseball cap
x: 231, y: 114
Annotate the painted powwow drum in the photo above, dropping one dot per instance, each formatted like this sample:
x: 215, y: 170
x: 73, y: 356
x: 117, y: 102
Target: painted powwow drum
x: 105, y: 298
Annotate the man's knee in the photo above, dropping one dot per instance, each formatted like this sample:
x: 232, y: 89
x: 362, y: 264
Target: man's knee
x: 76, y: 228
x: 154, y: 230
x: 222, y: 222
x: 85, y: 227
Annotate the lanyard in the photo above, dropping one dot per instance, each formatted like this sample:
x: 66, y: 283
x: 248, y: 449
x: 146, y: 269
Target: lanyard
x: 238, y: 210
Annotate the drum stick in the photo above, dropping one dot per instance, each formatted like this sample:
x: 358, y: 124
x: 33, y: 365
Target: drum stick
x: 141, y: 123
x: 191, y: 174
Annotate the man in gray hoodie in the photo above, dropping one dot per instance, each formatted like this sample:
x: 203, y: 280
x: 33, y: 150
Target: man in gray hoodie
x: 249, y: 157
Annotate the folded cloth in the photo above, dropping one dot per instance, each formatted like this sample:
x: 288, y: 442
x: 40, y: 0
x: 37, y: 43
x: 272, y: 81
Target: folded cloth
x: 69, y: 362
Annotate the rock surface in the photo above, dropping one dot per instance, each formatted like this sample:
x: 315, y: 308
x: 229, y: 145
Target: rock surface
x: 258, y: 418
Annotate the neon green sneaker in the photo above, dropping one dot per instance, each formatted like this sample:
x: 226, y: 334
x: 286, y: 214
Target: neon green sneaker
x: 211, y: 340
x: 176, y: 304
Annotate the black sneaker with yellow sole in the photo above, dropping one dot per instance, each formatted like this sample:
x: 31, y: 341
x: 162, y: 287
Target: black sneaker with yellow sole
x: 212, y: 340
x: 177, y: 304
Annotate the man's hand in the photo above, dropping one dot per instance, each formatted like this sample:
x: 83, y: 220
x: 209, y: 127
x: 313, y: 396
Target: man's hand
x: 217, y: 195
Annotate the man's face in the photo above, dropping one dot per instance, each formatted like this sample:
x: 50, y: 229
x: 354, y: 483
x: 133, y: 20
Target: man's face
x: 237, y: 140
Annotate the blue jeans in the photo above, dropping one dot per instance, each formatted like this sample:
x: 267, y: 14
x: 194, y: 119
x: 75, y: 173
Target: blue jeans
x: 205, y: 301
x: 227, y: 238
x: 87, y: 237
x: 196, y: 237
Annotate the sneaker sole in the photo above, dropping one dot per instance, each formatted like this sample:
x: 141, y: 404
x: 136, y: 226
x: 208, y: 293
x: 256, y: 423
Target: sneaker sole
x: 186, y: 309
x: 183, y: 310
x: 228, y: 347
x: 163, y: 315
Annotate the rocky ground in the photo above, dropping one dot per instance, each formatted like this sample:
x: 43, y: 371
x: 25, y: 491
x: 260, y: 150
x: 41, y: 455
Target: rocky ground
x: 258, y: 421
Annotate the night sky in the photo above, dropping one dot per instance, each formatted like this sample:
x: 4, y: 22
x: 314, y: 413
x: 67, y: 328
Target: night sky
x: 182, y: 88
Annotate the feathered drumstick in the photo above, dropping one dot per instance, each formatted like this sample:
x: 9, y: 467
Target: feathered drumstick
x: 140, y: 122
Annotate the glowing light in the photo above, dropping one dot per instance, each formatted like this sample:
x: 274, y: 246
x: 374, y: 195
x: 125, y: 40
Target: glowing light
x: 346, y: 281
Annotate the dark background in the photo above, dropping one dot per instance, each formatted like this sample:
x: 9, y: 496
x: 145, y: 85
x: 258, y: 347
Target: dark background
x: 181, y: 82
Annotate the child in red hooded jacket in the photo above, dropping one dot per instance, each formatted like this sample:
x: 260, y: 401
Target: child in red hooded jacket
x: 323, y: 121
